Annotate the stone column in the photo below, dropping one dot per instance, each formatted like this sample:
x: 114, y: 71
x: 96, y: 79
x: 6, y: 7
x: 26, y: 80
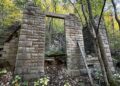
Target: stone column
x: 31, y: 47
x: 73, y: 31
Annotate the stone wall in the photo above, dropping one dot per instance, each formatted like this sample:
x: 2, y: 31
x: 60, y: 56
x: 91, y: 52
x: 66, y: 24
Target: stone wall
x: 104, y: 37
x: 10, y: 51
x: 88, y: 41
x: 1, y: 52
x: 73, y: 32
x: 31, y: 47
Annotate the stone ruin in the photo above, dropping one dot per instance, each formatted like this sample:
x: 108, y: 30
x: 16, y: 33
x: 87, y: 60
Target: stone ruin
x: 25, y: 48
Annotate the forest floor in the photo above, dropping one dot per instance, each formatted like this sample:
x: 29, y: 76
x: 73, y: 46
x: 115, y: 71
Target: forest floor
x: 56, y: 77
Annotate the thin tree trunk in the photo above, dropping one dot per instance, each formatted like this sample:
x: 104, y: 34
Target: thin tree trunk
x: 101, y: 16
x: 105, y: 61
x: 101, y: 63
x: 98, y: 53
x: 115, y: 11
x: 100, y: 46
x: 97, y: 44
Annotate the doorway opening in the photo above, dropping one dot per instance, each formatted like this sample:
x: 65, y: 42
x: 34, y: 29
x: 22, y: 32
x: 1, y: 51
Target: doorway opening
x: 55, y: 45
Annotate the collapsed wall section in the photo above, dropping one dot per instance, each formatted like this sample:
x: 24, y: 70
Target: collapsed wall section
x: 10, y: 52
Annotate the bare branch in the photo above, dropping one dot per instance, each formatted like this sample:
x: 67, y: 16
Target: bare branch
x: 101, y: 15
x: 91, y: 15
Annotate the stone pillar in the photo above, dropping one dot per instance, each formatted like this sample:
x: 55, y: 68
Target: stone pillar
x: 73, y: 31
x: 104, y: 37
x: 31, y: 47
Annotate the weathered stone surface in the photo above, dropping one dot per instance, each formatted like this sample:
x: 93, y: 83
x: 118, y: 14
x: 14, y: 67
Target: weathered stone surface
x: 74, y: 59
x: 10, y: 51
x: 30, y: 56
x: 31, y: 46
x: 103, y: 35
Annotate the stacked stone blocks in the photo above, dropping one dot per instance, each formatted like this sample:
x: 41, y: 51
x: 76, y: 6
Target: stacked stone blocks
x: 10, y: 51
x: 73, y: 29
x: 31, y: 47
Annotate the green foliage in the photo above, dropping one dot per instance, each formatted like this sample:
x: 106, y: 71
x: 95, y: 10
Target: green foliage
x: 53, y: 52
x: 113, y: 30
x: 3, y: 71
x: 9, y: 13
x: 25, y: 83
x: 116, y: 76
x: 16, y: 80
x: 56, y: 24
x: 21, y: 3
x: 96, y: 6
x: 98, y: 74
x: 57, y: 6
x: 42, y: 81
x: 67, y: 84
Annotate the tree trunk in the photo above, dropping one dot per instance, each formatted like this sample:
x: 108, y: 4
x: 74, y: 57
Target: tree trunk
x: 105, y: 61
x: 98, y: 53
x: 115, y: 11
x: 97, y: 48
x: 100, y: 46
